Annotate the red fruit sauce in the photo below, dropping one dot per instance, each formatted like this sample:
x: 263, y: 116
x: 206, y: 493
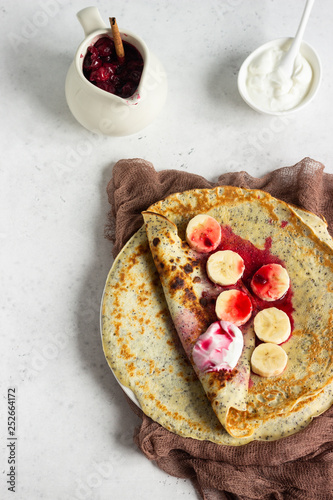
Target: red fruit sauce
x: 101, y: 67
x: 254, y: 258
x: 260, y: 279
x: 241, y: 304
x: 205, y: 344
x: 208, y: 242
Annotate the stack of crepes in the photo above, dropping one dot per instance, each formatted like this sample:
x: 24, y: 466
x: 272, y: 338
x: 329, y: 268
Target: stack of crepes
x: 154, y: 293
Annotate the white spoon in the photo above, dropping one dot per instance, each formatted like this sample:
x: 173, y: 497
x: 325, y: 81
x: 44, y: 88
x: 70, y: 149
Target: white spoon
x: 288, y: 60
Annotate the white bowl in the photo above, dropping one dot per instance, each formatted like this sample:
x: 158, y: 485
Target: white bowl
x: 306, y: 51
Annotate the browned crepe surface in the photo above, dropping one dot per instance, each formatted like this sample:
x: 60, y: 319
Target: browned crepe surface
x: 267, y: 409
x: 280, y: 469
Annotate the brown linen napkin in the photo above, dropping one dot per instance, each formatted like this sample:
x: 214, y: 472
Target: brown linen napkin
x: 296, y: 467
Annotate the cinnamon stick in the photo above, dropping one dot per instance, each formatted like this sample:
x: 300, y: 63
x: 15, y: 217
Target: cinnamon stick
x: 118, y: 43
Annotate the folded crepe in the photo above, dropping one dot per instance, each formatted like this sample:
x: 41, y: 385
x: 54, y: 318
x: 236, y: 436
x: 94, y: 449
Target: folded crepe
x: 269, y: 230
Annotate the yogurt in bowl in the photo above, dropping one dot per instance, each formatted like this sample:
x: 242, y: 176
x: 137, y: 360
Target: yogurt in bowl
x: 267, y: 90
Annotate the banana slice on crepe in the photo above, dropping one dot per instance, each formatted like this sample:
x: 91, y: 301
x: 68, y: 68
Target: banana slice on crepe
x: 234, y: 306
x: 272, y: 325
x: 271, y: 282
x: 268, y: 360
x: 225, y: 267
x: 203, y: 233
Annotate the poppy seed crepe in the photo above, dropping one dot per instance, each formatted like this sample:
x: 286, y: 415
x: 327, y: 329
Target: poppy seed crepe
x: 142, y: 346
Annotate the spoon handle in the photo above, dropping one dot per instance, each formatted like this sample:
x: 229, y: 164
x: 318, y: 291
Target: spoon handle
x: 288, y: 60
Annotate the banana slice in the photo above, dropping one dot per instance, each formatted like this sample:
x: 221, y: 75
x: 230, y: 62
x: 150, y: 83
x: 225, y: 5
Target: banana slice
x: 203, y: 233
x: 268, y: 360
x: 234, y: 306
x: 270, y: 282
x: 225, y: 267
x: 272, y: 325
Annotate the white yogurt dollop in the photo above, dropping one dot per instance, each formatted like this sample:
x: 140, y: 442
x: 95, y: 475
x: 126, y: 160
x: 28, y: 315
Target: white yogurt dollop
x: 270, y: 88
x: 219, y: 348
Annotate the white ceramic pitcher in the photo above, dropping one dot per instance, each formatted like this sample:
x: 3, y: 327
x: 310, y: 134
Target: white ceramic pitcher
x: 100, y: 111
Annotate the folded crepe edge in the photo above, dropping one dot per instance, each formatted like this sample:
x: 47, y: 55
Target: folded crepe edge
x: 241, y: 376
